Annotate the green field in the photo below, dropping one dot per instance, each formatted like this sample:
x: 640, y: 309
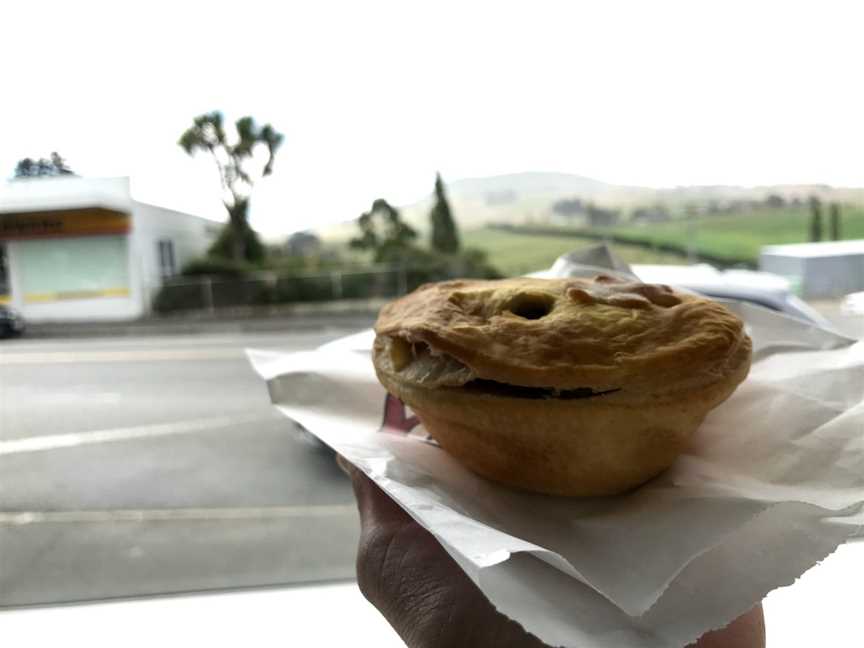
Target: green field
x: 515, y: 254
x: 742, y: 235
x: 737, y: 238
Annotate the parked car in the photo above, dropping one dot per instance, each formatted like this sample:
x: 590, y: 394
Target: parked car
x: 11, y: 323
x: 853, y: 304
x: 761, y: 288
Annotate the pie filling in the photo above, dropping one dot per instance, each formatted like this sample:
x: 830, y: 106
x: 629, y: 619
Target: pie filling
x: 419, y: 364
x: 495, y: 388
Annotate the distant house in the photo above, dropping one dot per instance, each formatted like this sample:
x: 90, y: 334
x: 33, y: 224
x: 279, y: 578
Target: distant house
x: 76, y: 248
x: 303, y: 244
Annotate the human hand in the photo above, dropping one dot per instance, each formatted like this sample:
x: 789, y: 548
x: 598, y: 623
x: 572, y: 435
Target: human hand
x: 431, y: 603
x: 421, y: 591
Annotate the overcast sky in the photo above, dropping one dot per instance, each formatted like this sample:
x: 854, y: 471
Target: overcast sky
x: 374, y: 97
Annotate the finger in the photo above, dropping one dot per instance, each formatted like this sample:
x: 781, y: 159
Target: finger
x: 375, y: 506
x: 344, y: 464
x: 747, y: 631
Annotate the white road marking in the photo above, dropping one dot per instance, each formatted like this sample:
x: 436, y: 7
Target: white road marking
x: 19, y: 518
x: 156, y: 355
x: 54, y: 441
x: 287, y: 339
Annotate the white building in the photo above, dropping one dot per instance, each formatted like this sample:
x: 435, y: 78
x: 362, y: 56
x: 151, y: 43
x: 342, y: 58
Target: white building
x: 82, y: 249
x: 818, y: 270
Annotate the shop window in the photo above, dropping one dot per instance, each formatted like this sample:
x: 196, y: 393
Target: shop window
x: 84, y: 267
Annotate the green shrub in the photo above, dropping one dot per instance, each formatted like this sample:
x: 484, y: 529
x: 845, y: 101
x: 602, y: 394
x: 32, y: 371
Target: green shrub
x: 235, y: 284
x: 366, y: 285
x: 241, y: 292
x: 214, y: 266
x: 223, y: 246
x: 475, y: 264
x: 179, y: 297
x: 303, y: 289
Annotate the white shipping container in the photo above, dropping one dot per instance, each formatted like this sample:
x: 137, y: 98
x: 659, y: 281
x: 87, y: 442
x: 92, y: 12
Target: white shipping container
x: 818, y: 270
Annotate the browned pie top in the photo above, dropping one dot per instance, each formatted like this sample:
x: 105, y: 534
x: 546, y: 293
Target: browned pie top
x: 603, y: 333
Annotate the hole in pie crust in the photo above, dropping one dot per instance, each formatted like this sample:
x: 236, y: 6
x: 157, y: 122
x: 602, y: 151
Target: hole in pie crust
x: 531, y: 306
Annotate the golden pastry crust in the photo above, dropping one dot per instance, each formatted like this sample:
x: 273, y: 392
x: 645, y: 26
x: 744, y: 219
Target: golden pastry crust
x: 601, y: 333
x: 560, y: 386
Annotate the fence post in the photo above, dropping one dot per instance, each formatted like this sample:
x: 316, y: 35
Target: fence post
x: 336, y: 284
x: 402, y: 279
x: 207, y: 291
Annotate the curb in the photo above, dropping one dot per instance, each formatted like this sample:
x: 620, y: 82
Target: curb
x: 299, y: 317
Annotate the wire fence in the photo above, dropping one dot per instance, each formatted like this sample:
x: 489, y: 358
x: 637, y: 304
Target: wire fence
x: 210, y: 293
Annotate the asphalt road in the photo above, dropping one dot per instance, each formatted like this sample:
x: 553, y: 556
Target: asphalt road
x: 134, y: 466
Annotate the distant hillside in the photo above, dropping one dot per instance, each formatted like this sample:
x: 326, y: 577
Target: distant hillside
x: 521, y: 198
x: 512, y: 198
x: 527, y: 184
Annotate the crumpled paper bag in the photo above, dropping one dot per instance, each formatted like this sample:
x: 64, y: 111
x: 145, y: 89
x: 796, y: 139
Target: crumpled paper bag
x: 771, y: 484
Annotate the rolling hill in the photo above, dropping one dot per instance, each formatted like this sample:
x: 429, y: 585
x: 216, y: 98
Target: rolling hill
x: 521, y: 198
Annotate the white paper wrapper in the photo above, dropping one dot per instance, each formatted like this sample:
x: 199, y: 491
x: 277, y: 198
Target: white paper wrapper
x: 772, y: 483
